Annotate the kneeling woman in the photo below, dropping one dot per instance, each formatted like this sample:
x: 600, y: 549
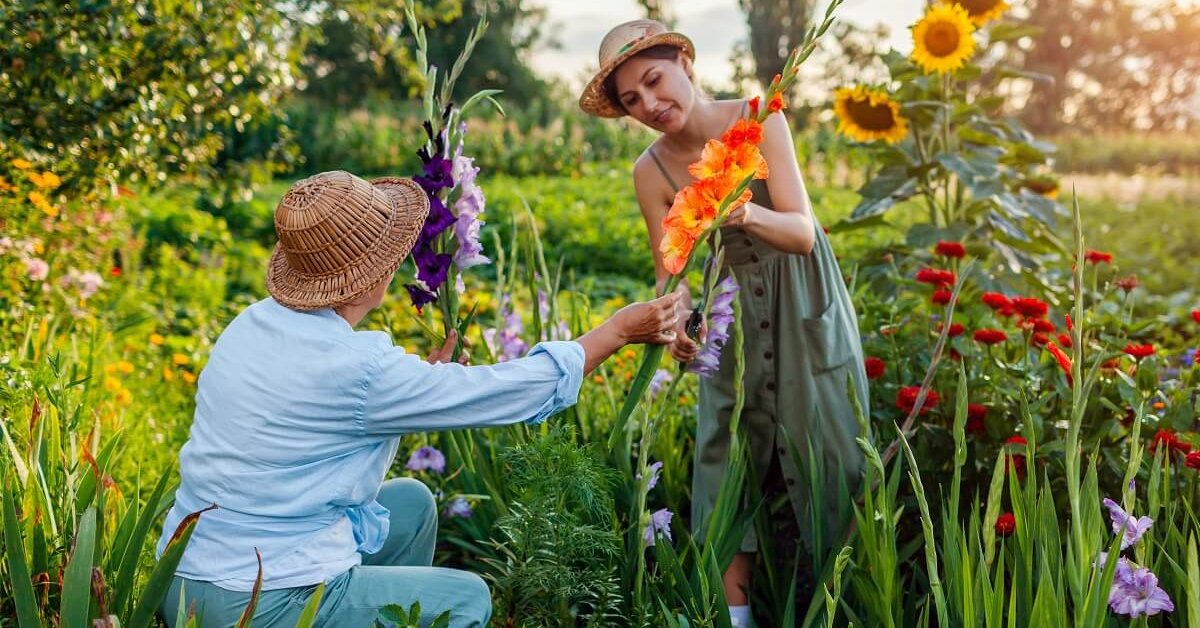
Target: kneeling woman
x: 298, y: 418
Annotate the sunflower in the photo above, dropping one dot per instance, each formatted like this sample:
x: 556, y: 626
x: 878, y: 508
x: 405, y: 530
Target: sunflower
x: 942, y: 40
x: 981, y: 11
x: 1047, y: 186
x: 867, y: 115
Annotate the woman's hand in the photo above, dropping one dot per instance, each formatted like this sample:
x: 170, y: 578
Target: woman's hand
x: 741, y: 217
x: 654, y: 322
x: 684, y: 349
x: 447, y: 351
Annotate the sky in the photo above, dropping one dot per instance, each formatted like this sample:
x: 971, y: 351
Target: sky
x: 713, y: 25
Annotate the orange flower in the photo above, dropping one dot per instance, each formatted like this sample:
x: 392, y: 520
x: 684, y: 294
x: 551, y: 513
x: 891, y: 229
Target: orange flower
x: 755, y: 103
x: 676, y: 246
x: 776, y: 103
x: 694, y: 209
x: 743, y: 131
x: 1064, y: 361
x: 735, y: 161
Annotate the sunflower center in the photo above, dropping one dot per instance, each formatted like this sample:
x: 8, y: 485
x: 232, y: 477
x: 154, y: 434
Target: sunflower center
x: 871, y: 117
x: 978, y: 7
x: 941, y: 39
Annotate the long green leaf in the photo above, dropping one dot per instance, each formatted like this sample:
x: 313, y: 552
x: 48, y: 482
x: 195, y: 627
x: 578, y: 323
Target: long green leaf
x: 18, y: 567
x: 247, y: 617
x: 309, y: 614
x: 160, y: 579
x: 77, y: 579
x: 128, y: 561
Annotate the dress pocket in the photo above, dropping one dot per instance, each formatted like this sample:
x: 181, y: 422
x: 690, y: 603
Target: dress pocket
x: 827, y: 341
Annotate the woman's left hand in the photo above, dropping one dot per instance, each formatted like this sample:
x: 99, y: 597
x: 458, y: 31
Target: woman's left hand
x: 447, y: 351
x: 741, y: 217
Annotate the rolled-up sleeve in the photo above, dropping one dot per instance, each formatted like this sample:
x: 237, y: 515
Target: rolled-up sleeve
x: 403, y: 393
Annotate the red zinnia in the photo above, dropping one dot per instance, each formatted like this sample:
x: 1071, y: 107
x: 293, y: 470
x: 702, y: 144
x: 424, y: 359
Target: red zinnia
x: 1064, y: 361
x: 1139, y: 351
x: 1170, y: 440
x: 1039, y: 339
x: 1127, y: 283
x: 1064, y: 340
x: 950, y: 249
x: 1192, y: 460
x: 875, y: 367
x: 956, y: 329
x: 1196, y: 315
x: 906, y: 399
x: 1042, y: 325
x: 990, y: 336
x: 1030, y: 307
x: 1098, y: 257
x: 1016, y: 460
x: 936, y: 276
x: 115, y: 271
x: 995, y: 300
x: 1006, y: 524
x: 976, y: 417
x: 941, y: 296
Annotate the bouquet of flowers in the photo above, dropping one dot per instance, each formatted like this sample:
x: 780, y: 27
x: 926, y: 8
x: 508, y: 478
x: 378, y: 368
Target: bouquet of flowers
x: 449, y: 241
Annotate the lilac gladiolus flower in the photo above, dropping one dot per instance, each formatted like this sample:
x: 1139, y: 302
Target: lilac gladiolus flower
x: 1135, y: 592
x: 654, y: 470
x: 426, y: 459
x: 721, y: 316
x: 660, y: 523
x: 1134, y: 527
x: 458, y: 507
x: 469, y: 205
x: 661, y: 378
x: 511, y: 345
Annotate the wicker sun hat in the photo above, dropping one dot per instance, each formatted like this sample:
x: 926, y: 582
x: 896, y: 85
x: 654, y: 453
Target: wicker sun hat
x: 621, y: 43
x: 339, y: 236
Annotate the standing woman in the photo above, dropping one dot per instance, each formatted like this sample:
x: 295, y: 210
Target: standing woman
x: 801, y: 333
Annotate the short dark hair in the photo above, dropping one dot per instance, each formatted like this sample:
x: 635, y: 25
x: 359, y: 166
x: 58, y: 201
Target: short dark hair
x: 661, y: 51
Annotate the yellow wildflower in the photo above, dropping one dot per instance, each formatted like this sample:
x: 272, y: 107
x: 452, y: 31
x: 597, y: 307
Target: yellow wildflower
x: 180, y: 359
x: 124, y: 397
x: 188, y: 377
x: 39, y: 201
x: 112, y: 384
x: 168, y: 374
x: 21, y: 164
x: 5, y: 186
x: 46, y: 180
x: 125, y: 367
x: 156, y: 339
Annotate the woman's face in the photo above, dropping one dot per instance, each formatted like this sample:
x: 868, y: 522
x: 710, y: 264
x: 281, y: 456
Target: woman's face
x: 656, y: 92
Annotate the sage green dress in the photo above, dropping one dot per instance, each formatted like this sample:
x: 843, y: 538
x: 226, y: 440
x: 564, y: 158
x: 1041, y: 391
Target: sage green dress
x: 802, y: 349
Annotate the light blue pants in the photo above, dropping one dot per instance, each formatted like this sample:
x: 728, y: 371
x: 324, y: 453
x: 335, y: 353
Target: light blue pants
x: 399, y: 573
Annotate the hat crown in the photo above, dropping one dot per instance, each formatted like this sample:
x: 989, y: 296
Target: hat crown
x: 330, y: 221
x: 624, y: 36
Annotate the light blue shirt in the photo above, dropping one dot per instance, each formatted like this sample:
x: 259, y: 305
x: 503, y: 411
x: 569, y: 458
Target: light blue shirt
x: 297, y: 421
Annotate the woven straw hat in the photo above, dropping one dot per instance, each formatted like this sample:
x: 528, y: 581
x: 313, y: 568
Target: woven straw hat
x: 339, y: 236
x: 621, y: 43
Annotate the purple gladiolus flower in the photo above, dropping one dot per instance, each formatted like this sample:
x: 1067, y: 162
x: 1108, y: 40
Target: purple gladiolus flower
x: 438, y: 220
x: 660, y: 523
x: 721, y: 316
x: 436, y: 175
x: 419, y: 295
x: 1134, y: 527
x: 661, y: 378
x: 426, y: 459
x: 458, y: 507
x: 1135, y: 592
x: 511, y: 345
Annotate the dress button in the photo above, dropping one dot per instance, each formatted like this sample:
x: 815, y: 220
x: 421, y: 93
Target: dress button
x: 764, y: 324
x: 791, y: 482
x: 768, y: 355
x: 754, y: 258
x: 758, y: 292
x: 749, y: 242
x: 770, y: 385
x: 782, y: 451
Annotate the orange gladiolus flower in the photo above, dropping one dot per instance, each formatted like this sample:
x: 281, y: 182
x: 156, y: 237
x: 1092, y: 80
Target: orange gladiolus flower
x: 744, y: 131
x: 735, y: 162
x: 676, y: 246
x: 776, y: 103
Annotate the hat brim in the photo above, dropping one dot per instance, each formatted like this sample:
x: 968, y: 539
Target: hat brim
x: 597, y: 103
x: 409, y: 207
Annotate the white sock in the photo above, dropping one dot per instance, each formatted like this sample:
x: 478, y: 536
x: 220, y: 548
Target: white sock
x: 740, y: 616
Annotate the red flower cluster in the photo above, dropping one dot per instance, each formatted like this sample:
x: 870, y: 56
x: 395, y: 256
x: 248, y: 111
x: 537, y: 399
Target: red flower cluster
x: 906, y: 399
x: 976, y: 418
x: 937, y: 276
x: 1170, y: 440
x: 956, y: 329
x: 941, y: 296
x: 1030, y: 307
x: 1017, y: 461
x: 990, y: 336
x: 1127, y: 283
x: 875, y: 367
x: 1098, y: 257
x: 1139, y: 352
x: 997, y: 302
x: 950, y: 249
x: 1065, y: 340
x: 1040, y: 325
x: 1196, y: 315
x: 1192, y: 460
x: 1006, y: 524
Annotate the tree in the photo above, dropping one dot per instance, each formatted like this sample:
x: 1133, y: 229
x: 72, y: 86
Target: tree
x: 659, y: 10
x: 776, y: 26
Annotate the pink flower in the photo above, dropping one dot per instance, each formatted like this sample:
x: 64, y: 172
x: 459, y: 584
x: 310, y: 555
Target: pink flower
x: 36, y: 269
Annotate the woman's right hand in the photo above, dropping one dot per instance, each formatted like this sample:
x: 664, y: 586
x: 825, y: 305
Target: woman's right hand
x: 683, y: 348
x: 653, y: 322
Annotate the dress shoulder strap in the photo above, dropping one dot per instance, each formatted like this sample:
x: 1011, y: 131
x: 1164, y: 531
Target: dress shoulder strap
x: 662, y: 169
